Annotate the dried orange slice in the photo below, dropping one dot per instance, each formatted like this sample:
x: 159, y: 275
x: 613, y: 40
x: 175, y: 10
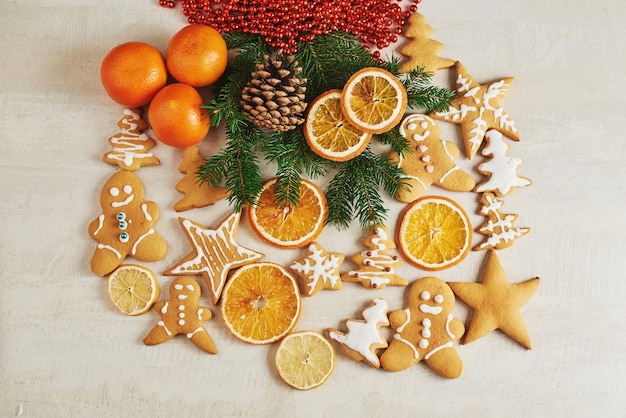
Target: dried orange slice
x: 286, y: 225
x: 373, y: 100
x: 328, y: 132
x: 261, y: 303
x: 305, y: 360
x: 133, y: 289
x: 434, y: 233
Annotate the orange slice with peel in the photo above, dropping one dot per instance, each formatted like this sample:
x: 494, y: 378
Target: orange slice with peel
x: 373, y: 100
x: 328, y: 132
x: 286, y: 225
x: 133, y: 289
x: 305, y: 360
x: 261, y: 303
x: 434, y: 233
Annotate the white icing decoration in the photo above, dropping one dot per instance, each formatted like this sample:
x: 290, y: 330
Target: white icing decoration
x: 125, y: 145
x: 100, y: 224
x: 136, y: 244
x: 114, y: 191
x: 190, y: 287
x: 436, y: 349
x: 433, y: 310
x: 319, y: 268
x: 167, y: 331
x: 182, y: 297
x: 448, y: 320
x: 195, y: 331
x: 501, y: 231
x: 123, y: 202
x: 438, y: 298
x: 425, y: 295
x: 164, y: 308
x: 377, y: 259
x: 146, y: 214
x: 181, y: 322
x: 108, y: 247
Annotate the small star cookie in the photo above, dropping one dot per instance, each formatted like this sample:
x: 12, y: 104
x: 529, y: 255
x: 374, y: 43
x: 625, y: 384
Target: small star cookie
x: 499, y: 228
x: 362, y: 339
x: 319, y: 269
x: 131, y: 145
x: 376, y: 265
x: 214, y: 253
x: 431, y: 162
x: 182, y: 315
x: 196, y: 195
x: 477, y: 109
x: 496, y: 303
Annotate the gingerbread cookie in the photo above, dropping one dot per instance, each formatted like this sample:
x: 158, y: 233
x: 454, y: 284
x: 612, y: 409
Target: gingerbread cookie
x: 421, y: 50
x: 477, y: 109
x: 496, y: 303
x: 426, y: 331
x: 501, y: 169
x: 131, y: 145
x: 181, y: 314
x: 431, y: 161
x: 319, y: 269
x: 126, y: 225
x: 376, y: 265
x: 214, y: 253
x: 196, y: 195
x: 499, y: 228
x: 363, y: 338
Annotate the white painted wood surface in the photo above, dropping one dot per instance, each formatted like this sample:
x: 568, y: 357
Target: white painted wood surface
x: 65, y: 351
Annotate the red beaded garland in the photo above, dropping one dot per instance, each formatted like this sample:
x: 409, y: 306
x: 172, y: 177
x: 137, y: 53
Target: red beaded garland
x: 285, y: 23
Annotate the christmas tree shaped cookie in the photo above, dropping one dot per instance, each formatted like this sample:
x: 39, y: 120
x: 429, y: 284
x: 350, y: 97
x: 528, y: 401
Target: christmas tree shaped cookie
x: 319, y: 269
x: 499, y: 228
x: 376, y: 265
x: 195, y: 194
x: 131, y: 145
x: 477, y: 108
x: 421, y: 50
x: 501, y: 169
x: 362, y: 339
x: 432, y: 160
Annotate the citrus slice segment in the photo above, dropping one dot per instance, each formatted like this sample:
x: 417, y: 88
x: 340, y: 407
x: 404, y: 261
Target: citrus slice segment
x: 434, y: 233
x: 373, y: 100
x: 133, y: 289
x: 261, y: 303
x: 286, y: 225
x: 305, y: 360
x: 328, y: 132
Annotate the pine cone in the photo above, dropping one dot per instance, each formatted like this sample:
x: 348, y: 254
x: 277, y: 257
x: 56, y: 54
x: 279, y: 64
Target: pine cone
x: 274, y: 98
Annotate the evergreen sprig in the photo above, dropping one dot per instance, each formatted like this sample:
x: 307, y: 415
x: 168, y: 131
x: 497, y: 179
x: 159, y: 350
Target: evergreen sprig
x: 327, y: 62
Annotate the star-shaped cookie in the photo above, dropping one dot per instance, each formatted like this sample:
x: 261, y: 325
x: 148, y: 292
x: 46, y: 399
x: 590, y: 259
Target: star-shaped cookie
x: 319, y: 269
x: 214, y: 253
x: 496, y: 303
x: 477, y: 108
x: 431, y: 162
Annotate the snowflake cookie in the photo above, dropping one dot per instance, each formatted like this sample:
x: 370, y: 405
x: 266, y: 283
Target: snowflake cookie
x: 319, y: 269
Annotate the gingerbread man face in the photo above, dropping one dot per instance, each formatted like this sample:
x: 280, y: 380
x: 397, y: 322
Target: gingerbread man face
x: 125, y: 226
x: 431, y: 162
x: 426, y: 330
x: 182, y: 315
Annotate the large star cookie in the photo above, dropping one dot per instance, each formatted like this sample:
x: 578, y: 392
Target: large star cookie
x: 496, y: 303
x: 319, y: 269
x: 477, y: 109
x: 431, y: 162
x: 214, y: 253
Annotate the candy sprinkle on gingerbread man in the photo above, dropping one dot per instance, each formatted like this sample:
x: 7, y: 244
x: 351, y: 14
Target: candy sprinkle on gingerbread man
x: 182, y: 315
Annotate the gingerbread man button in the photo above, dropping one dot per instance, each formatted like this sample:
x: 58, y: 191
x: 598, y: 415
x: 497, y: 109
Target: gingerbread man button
x: 182, y: 315
x: 426, y: 331
x: 430, y: 162
x: 125, y: 226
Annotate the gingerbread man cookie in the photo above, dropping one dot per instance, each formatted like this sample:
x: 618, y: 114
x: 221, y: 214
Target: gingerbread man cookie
x: 431, y: 162
x: 182, y: 315
x: 126, y: 225
x: 426, y: 331
x: 131, y: 145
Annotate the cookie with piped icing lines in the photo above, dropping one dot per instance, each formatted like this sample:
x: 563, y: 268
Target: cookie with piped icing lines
x: 426, y: 330
x: 363, y: 338
x: 477, y: 108
x: 430, y: 162
x: 126, y: 225
x: 131, y: 144
x: 181, y: 314
x: 318, y: 270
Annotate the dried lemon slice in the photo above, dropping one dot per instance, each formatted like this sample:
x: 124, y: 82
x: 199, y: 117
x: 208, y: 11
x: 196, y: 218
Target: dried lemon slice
x: 133, y: 289
x: 305, y: 360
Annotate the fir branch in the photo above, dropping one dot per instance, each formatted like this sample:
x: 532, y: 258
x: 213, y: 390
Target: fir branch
x: 355, y: 190
x: 422, y: 94
x: 396, y: 140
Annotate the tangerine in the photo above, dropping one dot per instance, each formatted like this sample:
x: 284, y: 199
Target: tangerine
x: 176, y: 116
x: 197, y: 55
x: 132, y: 73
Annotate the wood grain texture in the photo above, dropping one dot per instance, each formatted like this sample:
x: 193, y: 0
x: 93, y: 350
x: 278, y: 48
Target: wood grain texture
x: 66, y: 352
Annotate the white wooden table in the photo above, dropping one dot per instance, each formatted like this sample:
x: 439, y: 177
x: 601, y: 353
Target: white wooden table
x: 65, y: 351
